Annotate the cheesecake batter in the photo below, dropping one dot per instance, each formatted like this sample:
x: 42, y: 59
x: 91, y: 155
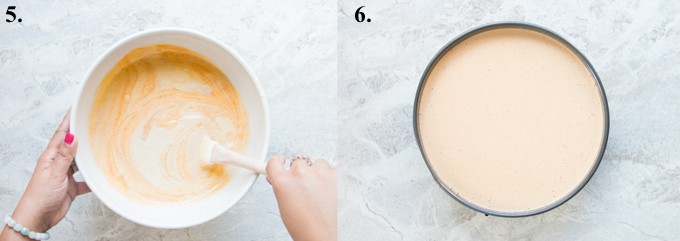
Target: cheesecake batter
x: 511, y: 120
x: 150, y: 113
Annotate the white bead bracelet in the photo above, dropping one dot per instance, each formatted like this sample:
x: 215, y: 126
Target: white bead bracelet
x: 24, y: 230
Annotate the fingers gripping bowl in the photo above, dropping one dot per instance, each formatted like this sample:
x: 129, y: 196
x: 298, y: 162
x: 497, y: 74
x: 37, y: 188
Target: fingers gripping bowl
x: 117, y: 178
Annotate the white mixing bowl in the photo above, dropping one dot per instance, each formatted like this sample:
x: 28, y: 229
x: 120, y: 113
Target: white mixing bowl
x: 189, y: 213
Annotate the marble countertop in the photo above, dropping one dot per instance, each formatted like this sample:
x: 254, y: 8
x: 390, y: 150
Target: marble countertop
x: 290, y: 46
x: 387, y: 192
x: 364, y: 119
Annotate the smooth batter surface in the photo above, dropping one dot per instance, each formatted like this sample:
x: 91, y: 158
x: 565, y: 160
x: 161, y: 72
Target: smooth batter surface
x: 150, y: 113
x: 511, y: 120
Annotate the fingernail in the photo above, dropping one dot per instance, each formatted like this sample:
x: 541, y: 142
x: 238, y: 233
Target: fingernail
x: 69, y: 138
x: 270, y: 183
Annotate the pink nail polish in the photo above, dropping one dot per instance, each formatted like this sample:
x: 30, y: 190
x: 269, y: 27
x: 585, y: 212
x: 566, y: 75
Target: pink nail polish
x: 270, y: 183
x: 69, y: 138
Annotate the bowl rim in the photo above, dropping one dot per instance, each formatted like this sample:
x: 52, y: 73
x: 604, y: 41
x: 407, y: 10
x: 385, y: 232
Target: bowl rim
x: 263, y: 100
x: 512, y: 25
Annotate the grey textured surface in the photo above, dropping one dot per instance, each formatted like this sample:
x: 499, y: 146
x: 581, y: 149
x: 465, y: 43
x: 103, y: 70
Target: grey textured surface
x: 290, y: 46
x: 387, y: 193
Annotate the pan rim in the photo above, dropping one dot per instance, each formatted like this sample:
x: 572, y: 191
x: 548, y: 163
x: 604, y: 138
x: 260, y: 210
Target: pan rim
x: 513, y: 25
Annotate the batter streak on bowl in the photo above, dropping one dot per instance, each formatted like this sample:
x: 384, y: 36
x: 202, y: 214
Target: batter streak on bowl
x: 150, y: 113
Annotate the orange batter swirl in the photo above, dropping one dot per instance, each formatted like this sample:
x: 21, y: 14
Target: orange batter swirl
x: 150, y: 113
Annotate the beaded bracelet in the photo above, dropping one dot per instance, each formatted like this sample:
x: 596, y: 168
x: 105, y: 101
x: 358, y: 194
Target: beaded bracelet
x: 24, y: 230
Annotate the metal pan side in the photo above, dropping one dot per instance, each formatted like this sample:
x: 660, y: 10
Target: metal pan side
x: 521, y: 25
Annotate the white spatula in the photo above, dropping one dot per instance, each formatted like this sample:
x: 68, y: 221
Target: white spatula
x: 216, y: 153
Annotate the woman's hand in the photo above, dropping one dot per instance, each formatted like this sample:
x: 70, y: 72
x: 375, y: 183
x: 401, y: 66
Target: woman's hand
x: 52, y: 188
x: 307, y: 197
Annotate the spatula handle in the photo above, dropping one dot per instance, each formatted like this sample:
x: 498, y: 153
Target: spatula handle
x: 223, y: 155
